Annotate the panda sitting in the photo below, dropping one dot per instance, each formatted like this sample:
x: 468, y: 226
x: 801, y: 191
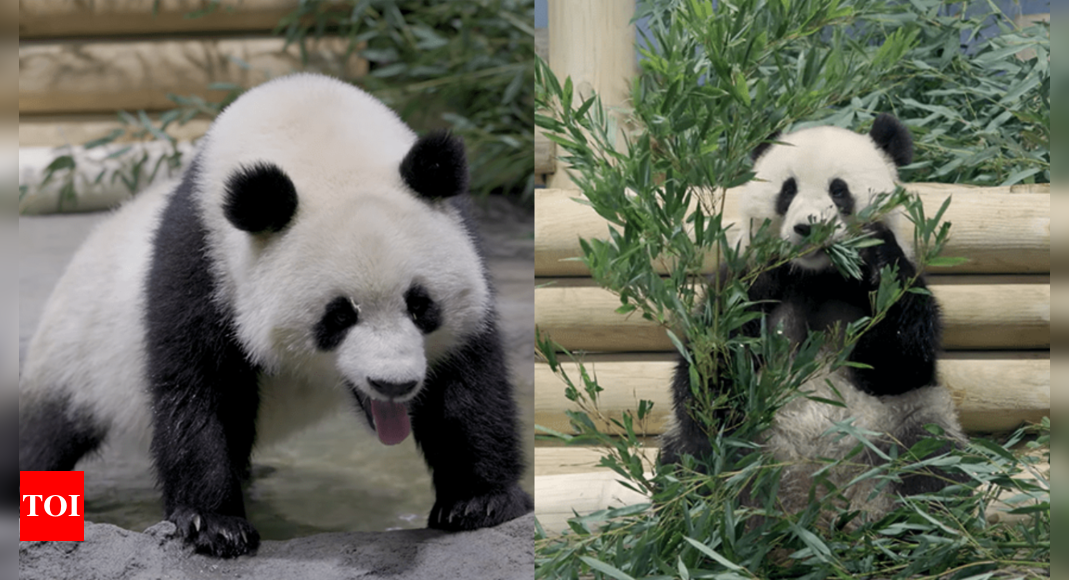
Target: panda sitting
x: 316, y: 255
x: 828, y: 174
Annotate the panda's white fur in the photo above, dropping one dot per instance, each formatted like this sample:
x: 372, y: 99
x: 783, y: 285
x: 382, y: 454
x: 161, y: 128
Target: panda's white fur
x: 97, y: 304
x: 213, y: 263
x: 828, y: 174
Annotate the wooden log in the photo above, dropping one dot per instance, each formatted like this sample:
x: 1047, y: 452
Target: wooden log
x: 545, y: 153
x: 987, y: 314
x: 564, y: 460
x: 56, y: 130
x: 593, y: 43
x: 995, y: 391
x: 998, y: 231
x: 558, y: 497
x: 56, y: 18
x: 81, y: 77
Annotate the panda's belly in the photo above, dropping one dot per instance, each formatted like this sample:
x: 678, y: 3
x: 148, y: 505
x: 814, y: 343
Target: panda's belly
x: 800, y: 442
x: 800, y: 429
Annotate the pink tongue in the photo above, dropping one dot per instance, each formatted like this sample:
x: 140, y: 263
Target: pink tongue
x: 391, y: 421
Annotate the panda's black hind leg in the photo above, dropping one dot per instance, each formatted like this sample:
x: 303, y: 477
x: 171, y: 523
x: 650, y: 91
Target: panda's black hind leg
x: 54, y: 435
x: 927, y: 479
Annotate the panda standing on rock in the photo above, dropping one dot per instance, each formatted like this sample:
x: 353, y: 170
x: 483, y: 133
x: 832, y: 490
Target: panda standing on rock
x: 827, y: 174
x: 315, y: 255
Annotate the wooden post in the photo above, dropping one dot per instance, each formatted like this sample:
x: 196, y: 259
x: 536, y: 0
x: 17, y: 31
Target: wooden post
x: 593, y: 42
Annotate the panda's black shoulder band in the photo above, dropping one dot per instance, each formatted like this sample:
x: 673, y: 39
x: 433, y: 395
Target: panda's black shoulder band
x: 893, y: 138
x: 260, y: 198
x: 436, y: 167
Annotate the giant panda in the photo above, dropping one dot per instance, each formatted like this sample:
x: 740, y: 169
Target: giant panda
x: 828, y: 174
x: 315, y: 255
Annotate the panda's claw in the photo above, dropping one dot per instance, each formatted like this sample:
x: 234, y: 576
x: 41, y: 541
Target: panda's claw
x: 215, y: 534
x: 481, y: 511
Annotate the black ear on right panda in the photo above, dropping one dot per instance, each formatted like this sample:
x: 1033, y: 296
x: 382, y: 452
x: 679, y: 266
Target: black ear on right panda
x: 893, y: 138
x: 760, y: 149
x: 435, y: 167
x: 260, y: 198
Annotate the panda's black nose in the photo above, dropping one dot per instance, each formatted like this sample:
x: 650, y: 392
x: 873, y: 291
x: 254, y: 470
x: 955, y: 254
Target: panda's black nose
x: 802, y: 229
x: 391, y: 389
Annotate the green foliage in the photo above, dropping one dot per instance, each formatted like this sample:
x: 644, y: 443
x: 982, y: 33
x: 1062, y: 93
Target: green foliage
x: 979, y: 116
x: 714, y: 82
x: 465, y: 66
x: 462, y: 65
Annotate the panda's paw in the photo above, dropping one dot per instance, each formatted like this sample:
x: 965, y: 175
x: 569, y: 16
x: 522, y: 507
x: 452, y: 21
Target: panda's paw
x: 880, y: 255
x: 481, y: 511
x: 215, y: 534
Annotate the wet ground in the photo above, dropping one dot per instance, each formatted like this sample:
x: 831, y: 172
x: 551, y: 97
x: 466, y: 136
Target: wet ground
x: 335, y: 477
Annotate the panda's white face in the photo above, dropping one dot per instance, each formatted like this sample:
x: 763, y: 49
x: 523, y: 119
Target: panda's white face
x: 341, y: 255
x: 818, y: 175
x: 395, y: 284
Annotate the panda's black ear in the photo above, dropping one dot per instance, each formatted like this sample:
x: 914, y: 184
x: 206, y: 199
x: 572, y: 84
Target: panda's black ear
x: 760, y: 149
x: 893, y: 138
x: 260, y: 198
x: 435, y: 167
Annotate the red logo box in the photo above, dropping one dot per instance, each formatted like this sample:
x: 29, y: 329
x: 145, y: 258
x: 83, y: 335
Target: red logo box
x: 52, y: 506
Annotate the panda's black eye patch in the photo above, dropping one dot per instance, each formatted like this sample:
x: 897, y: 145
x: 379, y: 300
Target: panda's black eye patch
x: 786, y: 194
x: 840, y: 194
x: 338, y: 317
x: 423, y: 309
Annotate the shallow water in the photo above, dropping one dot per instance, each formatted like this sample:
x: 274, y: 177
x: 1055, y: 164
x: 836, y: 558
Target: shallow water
x: 335, y: 477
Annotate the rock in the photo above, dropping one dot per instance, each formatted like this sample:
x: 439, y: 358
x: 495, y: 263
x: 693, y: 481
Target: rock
x: 112, y: 553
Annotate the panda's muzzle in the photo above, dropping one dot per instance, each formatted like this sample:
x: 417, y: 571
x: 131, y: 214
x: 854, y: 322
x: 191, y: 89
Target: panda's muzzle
x: 392, y: 390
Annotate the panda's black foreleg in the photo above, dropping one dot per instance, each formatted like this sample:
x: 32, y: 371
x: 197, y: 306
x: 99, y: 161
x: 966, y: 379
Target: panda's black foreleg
x: 901, y: 348
x: 204, y: 428
x: 464, y: 420
x: 204, y: 390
